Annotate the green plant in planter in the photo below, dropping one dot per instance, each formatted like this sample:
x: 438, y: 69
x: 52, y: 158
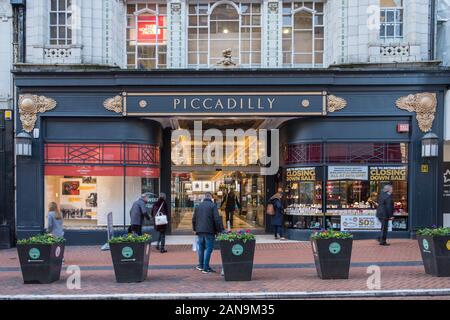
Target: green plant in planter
x: 244, y: 235
x: 42, y: 239
x: 130, y: 238
x: 433, y: 232
x: 331, y: 234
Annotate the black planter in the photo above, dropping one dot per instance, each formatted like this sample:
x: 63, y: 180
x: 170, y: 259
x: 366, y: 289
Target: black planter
x: 40, y: 263
x: 237, y: 259
x: 332, y: 257
x: 130, y: 261
x: 435, y: 255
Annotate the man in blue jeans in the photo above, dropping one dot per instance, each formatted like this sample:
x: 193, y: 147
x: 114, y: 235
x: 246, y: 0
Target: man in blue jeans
x: 206, y: 223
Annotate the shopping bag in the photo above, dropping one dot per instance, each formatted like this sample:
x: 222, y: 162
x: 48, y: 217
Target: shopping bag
x: 160, y: 219
x: 194, y: 244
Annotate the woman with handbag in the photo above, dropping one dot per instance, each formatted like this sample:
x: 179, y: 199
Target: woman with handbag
x: 160, y: 214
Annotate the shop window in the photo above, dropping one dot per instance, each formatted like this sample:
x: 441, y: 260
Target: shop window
x: 352, y: 194
x: 366, y: 153
x: 391, y: 20
x: 146, y: 35
x: 304, y: 197
x: 303, y: 33
x: 303, y: 153
x: 88, y: 181
x: 60, y: 22
x: 214, y: 28
x: 349, y: 193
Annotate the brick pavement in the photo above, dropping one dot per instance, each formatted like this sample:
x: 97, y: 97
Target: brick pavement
x: 283, y: 267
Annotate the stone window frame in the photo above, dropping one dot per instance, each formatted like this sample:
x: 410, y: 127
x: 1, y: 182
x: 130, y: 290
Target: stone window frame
x: 55, y: 14
x: 398, y: 24
x: 142, y: 7
x: 253, y: 16
x: 290, y: 9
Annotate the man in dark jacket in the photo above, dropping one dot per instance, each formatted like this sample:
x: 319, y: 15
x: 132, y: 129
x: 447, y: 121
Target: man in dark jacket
x: 138, y: 211
x: 206, y: 223
x: 385, y: 212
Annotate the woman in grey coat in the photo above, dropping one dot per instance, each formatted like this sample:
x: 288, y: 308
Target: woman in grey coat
x: 55, y: 221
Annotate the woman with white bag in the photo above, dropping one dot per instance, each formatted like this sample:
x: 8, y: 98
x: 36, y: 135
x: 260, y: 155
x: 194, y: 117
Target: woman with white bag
x: 159, y: 214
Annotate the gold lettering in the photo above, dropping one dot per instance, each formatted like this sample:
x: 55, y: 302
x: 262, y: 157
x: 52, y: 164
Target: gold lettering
x: 229, y: 105
x: 271, y: 101
x: 175, y: 103
x: 219, y: 103
x: 204, y: 103
x: 250, y: 107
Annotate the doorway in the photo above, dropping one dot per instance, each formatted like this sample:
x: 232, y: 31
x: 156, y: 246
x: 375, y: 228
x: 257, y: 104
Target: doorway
x: 189, y: 188
x: 190, y: 182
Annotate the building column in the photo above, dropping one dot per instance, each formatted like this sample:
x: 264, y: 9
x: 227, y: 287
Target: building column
x: 336, y: 32
x: 166, y: 171
x: 272, y: 17
x: 416, y: 28
x: 176, y: 38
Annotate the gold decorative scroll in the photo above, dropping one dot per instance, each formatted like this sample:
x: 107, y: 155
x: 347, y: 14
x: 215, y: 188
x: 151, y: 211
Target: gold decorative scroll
x: 335, y: 103
x: 114, y: 104
x: 424, y: 105
x: 30, y: 105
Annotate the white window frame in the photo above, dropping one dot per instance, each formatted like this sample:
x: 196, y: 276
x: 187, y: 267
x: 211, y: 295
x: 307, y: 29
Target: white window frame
x: 293, y: 53
x: 237, y: 59
x: 394, y: 23
x: 157, y: 14
x: 68, y: 16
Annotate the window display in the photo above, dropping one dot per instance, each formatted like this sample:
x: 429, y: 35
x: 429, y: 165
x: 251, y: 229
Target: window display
x: 347, y: 197
x: 88, y: 181
x: 350, y: 195
x: 304, y: 197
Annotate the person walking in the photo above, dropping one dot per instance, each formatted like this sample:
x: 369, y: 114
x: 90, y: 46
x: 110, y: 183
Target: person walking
x: 206, y: 223
x: 277, y: 218
x: 160, y: 208
x: 230, y: 204
x: 55, y: 221
x: 138, y: 212
x: 385, y: 212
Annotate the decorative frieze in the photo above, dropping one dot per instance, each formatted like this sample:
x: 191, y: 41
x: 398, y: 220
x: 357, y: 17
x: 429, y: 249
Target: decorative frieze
x: 29, y: 106
x: 114, y: 104
x: 335, y: 103
x: 424, y: 105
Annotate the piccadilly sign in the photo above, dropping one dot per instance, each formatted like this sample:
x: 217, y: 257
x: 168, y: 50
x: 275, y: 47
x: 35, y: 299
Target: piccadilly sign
x: 194, y: 104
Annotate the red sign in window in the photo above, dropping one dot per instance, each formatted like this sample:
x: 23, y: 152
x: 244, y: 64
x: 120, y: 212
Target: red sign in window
x: 151, y: 30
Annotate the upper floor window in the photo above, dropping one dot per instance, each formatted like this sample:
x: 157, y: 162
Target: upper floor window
x: 214, y: 27
x: 146, y: 35
x: 60, y: 22
x: 391, y: 23
x: 303, y: 33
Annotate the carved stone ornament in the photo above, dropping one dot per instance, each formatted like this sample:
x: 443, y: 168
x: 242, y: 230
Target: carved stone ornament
x: 335, y: 103
x: 114, y: 104
x: 227, y: 58
x: 176, y: 7
x: 29, y: 106
x: 273, y: 7
x: 424, y: 105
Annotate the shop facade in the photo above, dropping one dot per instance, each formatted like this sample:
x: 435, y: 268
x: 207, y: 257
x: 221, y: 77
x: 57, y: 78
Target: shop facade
x: 100, y: 139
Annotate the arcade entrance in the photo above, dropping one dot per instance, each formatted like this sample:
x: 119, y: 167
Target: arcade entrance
x: 191, y: 180
x: 188, y: 189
